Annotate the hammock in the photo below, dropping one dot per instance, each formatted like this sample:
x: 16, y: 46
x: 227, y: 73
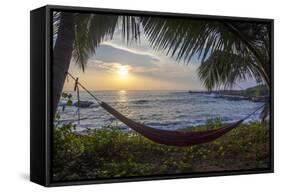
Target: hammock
x: 169, y: 137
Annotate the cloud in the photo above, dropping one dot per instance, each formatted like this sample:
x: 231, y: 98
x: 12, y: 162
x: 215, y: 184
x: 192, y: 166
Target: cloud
x: 108, y: 53
x: 143, y: 63
x: 132, y: 49
x: 110, y: 56
x: 110, y: 67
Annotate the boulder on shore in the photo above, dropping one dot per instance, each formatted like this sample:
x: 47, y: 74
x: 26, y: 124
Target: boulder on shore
x: 84, y: 104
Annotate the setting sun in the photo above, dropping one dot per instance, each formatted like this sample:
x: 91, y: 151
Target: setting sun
x: 122, y: 71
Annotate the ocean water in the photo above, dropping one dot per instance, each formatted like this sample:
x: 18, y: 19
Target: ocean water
x: 160, y: 109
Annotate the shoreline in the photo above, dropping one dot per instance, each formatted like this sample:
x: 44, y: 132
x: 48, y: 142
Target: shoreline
x: 233, y: 95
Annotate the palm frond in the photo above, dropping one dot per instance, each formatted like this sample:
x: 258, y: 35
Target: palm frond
x: 185, y: 39
x: 81, y: 46
x: 56, y: 22
x: 256, y: 39
x: 92, y: 29
x: 224, y: 69
x: 130, y: 26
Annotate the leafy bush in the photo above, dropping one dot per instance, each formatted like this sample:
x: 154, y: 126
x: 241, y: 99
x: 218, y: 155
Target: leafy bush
x: 110, y: 152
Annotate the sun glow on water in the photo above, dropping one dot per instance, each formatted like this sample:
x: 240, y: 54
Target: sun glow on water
x: 122, y: 91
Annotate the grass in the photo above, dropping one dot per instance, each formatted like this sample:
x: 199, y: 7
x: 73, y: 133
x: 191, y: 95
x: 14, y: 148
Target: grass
x: 109, y: 152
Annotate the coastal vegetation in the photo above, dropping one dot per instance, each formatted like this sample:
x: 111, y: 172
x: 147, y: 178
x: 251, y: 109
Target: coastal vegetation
x: 255, y: 91
x: 110, y: 152
x: 259, y: 90
x: 258, y: 93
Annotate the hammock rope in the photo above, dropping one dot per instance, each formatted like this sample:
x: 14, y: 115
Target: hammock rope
x: 76, y: 88
x: 167, y: 137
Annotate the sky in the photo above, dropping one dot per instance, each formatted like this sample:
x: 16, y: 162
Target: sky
x: 117, y: 65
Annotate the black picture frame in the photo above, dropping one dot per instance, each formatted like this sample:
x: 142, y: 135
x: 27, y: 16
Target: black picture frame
x: 41, y: 87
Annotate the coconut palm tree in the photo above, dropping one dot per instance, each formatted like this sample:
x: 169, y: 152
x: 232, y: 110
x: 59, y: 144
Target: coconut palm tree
x: 62, y: 54
x: 76, y: 38
x: 228, y: 51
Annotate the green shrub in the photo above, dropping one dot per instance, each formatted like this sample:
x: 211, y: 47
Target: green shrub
x: 110, y: 152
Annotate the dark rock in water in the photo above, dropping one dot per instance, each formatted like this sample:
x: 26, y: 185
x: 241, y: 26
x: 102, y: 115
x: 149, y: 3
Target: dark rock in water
x: 84, y: 104
x: 140, y: 101
x: 61, y: 104
x: 235, y: 97
x: 260, y: 99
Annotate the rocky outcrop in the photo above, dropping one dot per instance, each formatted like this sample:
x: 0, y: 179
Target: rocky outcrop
x: 84, y: 104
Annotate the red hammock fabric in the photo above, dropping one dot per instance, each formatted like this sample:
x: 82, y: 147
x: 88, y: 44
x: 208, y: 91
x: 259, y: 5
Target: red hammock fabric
x: 171, y: 138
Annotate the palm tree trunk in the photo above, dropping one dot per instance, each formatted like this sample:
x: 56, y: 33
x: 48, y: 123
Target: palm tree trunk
x: 62, y: 55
